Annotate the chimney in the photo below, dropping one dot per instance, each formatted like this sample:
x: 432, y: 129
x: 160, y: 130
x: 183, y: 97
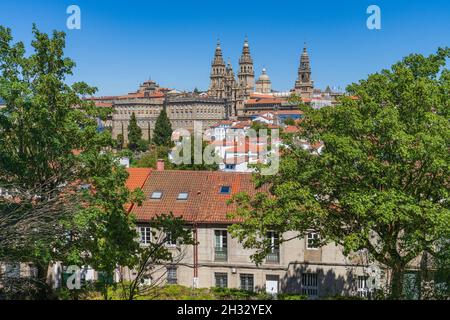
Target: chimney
x: 160, y: 165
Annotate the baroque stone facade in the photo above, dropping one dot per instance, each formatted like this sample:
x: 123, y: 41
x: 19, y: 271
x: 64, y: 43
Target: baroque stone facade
x: 229, y: 96
x: 238, y: 91
x: 182, y: 109
x: 223, y: 83
x: 304, y: 86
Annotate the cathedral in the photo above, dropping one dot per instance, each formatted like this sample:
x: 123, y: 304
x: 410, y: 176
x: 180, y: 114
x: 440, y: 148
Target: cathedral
x: 236, y: 91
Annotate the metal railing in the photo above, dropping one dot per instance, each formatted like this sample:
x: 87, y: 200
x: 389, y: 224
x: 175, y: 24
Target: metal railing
x: 273, y: 257
x: 220, y: 254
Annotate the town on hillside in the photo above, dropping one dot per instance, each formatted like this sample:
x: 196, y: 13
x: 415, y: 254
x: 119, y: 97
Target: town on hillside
x: 232, y: 192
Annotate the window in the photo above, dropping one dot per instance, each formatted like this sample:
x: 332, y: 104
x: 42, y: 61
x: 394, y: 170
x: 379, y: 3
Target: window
x: 145, y: 235
x: 182, y: 196
x: 172, y: 275
x: 156, y: 195
x: 274, y: 254
x: 309, y: 284
x: 230, y: 166
x: 221, y: 280
x: 170, y: 241
x: 220, y: 245
x: 12, y: 270
x: 362, y: 289
x: 247, y: 282
x: 312, y: 241
x: 225, y: 189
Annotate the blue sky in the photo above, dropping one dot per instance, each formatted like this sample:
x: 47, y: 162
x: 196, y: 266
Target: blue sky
x: 123, y: 43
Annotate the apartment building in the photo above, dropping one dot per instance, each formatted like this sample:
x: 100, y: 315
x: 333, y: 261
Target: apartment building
x: 200, y: 198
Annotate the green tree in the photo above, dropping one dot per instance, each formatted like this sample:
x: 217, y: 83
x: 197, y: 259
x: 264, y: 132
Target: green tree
x: 163, y: 130
x: 103, y: 228
x: 156, y: 254
x: 55, y: 166
x: 134, y: 134
x: 289, y: 122
x: 196, y: 166
x: 155, y: 153
x: 382, y: 182
x: 120, y: 141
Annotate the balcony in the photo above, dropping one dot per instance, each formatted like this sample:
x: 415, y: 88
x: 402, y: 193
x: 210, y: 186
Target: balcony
x: 273, y: 257
x: 220, y: 254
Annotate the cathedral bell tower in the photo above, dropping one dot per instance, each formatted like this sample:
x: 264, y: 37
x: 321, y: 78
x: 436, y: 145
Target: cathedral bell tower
x: 246, y: 74
x: 218, y: 74
x: 304, y: 86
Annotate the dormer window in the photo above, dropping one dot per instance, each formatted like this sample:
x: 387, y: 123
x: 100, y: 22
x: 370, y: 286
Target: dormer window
x: 156, y: 195
x: 225, y: 189
x: 183, y: 196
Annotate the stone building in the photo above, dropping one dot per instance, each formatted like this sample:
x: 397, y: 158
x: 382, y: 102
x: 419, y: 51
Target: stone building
x: 229, y: 96
x: 218, y: 260
x: 304, y: 86
x: 263, y: 84
x: 182, y: 109
x: 223, y: 83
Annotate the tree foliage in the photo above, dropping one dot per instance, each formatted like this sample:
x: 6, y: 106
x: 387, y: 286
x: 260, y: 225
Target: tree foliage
x: 382, y: 181
x: 163, y: 130
x: 134, y: 134
x: 153, y: 258
x: 60, y: 184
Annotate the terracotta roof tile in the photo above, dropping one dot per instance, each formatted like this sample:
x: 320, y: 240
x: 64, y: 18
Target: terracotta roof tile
x: 205, y: 203
x: 136, y: 179
x: 290, y: 129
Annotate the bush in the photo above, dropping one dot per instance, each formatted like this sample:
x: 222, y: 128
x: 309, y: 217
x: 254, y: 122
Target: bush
x: 338, y: 297
x: 289, y: 296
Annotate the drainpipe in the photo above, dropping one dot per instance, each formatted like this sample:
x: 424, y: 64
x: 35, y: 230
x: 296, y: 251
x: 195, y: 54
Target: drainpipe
x: 195, y: 280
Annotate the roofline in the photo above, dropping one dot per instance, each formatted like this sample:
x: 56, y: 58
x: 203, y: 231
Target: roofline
x: 148, y: 176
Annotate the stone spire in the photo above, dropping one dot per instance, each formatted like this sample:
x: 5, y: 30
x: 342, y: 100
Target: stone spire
x: 246, y: 74
x: 304, y: 86
x: 218, y: 73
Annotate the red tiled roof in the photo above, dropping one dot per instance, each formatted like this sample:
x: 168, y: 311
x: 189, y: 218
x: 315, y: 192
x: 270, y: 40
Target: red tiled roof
x: 157, y: 95
x: 101, y: 98
x: 264, y: 101
x: 141, y: 94
x: 291, y: 129
x: 288, y: 112
x: 241, y: 125
x: 248, y: 147
x: 205, y: 204
x: 103, y: 104
x: 136, y: 179
x: 260, y: 95
x: 223, y: 122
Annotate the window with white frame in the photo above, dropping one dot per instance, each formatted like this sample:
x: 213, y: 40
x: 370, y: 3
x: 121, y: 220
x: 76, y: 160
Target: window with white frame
x: 221, y: 280
x: 310, y: 284
x: 170, y: 241
x: 172, y: 275
x: 156, y: 195
x: 225, y: 189
x: 362, y: 289
x: 145, y: 234
x: 274, y: 254
x: 312, y: 241
x: 183, y: 196
x: 220, y: 245
x: 247, y: 282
